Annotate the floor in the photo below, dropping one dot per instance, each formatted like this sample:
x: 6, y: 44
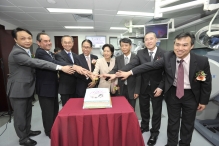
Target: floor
x: 9, y: 137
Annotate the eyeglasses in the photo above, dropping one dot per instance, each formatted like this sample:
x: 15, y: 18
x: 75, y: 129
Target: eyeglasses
x: 86, y: 47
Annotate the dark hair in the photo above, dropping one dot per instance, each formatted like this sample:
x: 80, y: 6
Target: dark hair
x: 152, y: 33
x: 67, y: 36
x: 186, y: 34
x: 111, y: 48
x: 125, y: 40
x: 56, y: 49
x: 87, y: 40
x: 14, y: 32
x: 39, y: 34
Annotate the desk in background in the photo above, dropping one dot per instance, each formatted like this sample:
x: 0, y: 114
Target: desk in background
x: 116, y: 126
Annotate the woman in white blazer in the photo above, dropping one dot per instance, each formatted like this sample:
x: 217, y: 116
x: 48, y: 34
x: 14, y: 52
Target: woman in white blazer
x: 105, y: 65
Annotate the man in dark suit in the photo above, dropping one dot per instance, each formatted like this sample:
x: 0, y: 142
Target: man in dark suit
x: 187, y: 86
x: 47, y: 83
x: 67, y: 83
x: 85, y: 60
x: 129, y: 88
x: 151, y: 85
x: 21, y: 83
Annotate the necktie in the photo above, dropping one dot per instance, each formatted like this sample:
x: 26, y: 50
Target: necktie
x: 151, y: 54
x: 88, y: 62
x: 69, y: 54
x: 50, y: 54
x: 28, y: 52
x: 180, y: 80
x: 126, y: 62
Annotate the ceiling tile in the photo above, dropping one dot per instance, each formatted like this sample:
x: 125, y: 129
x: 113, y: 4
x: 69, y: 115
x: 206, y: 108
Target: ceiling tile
x: 19, y: 16
x: 16, y: 22
x: 41, y: 16
x: 4, y: 16
x: 80, y: 4
x: 51, y: 23
x: 105, y: 12
x: 63, y: 17
x: 67, y: 23
x: 25, y: 3
x: 5, y: 3
x: 58, y: 4
x: 106, y: 4
x: 34, y: 10
x: 32, y: 23
x: 85, y: 23
x: 102, y: 24
x: 104, y: 18
x: 10, y: 9
x: 137, y: 6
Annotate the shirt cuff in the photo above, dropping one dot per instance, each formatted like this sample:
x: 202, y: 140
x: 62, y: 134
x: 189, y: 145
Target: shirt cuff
x: 131, y: 72
x: 58, y: 67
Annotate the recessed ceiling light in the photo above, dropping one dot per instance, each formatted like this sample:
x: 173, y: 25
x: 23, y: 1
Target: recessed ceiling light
x: 79, y: 27
x: 135, y: 13
x: 119, y: 28
x: 76, y: 11
x: 51, y: 1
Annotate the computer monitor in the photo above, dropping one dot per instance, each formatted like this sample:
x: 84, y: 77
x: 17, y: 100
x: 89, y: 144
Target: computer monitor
x: 97, y: 41
x: 161, y: 30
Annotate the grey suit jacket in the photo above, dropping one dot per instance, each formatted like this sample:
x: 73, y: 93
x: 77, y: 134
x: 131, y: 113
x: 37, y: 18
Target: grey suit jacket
x: 133, y: 82
x: 200, y: 89
x: 21, y: 80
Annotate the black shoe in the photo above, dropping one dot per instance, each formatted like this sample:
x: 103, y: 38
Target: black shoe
x: 28, y: 142
x: 34, y: 133
x: 152, y: 140
x: 144, y: 130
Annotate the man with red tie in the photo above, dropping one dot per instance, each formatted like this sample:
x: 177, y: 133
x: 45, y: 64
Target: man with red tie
x: 187, y: 86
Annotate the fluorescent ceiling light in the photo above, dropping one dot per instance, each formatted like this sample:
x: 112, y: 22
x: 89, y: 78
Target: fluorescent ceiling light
x: 79, y: 27
x: 76, y: 11
x: 119, y: 28
x: 134, y: 13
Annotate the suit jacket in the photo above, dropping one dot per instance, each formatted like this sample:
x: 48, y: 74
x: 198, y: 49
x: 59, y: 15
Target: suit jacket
x: 133, y: 82
x: 67, y: 83
x: 102, y: 67
x: 200, y: 89
x: 21, y: 80
x: 46, y: 80
x: 155, y: 76
x: 82, y: 82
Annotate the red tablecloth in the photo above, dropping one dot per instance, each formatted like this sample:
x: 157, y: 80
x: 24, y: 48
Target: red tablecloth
x: 116, y: 126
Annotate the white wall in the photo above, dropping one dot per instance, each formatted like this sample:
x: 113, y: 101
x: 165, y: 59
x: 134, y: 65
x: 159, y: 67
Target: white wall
x: 8, y: 26
x: 81, y: 36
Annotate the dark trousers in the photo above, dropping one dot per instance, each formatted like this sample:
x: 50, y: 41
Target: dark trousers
x: 144, y: 102
x: 22, y: 116
x: 125, y: 93
x: 187, y: 105
x: 66, y: 97
x: 49, y: 107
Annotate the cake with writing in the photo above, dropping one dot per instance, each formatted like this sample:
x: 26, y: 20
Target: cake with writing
x: 97, y: 98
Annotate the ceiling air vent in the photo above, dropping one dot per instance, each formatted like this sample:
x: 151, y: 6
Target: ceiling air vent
x: 83, y: 17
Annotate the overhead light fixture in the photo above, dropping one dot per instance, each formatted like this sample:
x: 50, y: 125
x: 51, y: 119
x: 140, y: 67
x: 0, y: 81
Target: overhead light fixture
x: 51, y: 1
x: 75, y: 11
x: 79, y: 27
x: 135, y: 13
x: 119, y: 28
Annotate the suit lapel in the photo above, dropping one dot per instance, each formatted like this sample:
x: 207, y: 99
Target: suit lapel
x: 122, y: 60
x: 66, y: 56
x: 173, y: 64
x: 192, y: 68
x: 157, y: 55
x: 148, y: 58
x: 84, y: 61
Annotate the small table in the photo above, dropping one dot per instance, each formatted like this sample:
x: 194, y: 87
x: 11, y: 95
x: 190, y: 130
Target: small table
x: 116, y: 126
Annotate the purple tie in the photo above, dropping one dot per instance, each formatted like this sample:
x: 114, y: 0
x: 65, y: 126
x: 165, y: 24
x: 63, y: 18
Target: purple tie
x: 180, y: 80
